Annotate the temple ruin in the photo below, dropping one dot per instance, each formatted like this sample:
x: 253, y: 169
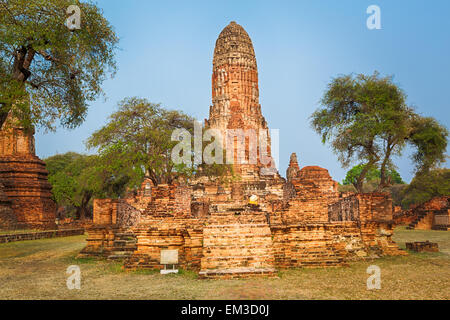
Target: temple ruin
x: 218, y: 228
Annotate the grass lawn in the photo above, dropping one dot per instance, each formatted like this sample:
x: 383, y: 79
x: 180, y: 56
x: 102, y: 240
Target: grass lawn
x: 37, y: 270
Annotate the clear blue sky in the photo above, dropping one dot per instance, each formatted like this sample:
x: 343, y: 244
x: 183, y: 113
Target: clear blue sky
x: 167, y: 48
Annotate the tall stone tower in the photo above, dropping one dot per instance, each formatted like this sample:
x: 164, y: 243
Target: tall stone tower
x: 24, y: 178
x: 235, y: 96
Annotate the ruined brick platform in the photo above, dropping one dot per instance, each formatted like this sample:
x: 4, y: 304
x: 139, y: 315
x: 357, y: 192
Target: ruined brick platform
x: 237, y: 243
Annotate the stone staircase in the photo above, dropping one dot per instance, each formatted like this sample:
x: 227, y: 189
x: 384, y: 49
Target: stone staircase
x: 124, y: 246
x: 237, y: 243
x: 413, y: 224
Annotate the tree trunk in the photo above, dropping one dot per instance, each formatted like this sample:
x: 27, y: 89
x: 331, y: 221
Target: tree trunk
x: 153, y: 176
x: 83, y: 209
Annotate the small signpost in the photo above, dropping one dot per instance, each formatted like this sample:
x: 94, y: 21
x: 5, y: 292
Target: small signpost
x: 169, y: 258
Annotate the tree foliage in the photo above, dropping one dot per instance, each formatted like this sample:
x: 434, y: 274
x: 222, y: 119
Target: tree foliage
x: 138, y: 136
x: 48, y: 72
x: 430, y: 140
x: 366, y: 119
x: 76, y: 179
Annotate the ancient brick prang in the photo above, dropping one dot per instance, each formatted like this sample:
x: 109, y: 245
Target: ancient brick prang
x: 235, y: 90
x: 25, y: 179
x: 258, y: 223
x: 235, y: 102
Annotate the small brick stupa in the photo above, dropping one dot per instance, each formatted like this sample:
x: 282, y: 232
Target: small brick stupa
x: 24, y: 179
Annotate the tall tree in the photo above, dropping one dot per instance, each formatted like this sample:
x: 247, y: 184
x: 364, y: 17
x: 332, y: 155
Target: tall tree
x: 138, y: 136
x: 48, y: 72
x: 366, y: 119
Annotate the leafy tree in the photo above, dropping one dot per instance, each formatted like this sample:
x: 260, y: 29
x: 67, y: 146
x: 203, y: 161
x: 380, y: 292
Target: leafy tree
x: 373, y: 175
x: 426, y: 186
x: 76, y: 179
x: 430, y: 139
x: 398, y: 193
x: 138, y: 136
x: 366, y: 119
x: 48, y: 72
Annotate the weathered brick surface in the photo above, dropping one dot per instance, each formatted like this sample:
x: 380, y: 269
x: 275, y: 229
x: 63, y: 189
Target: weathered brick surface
x: 4, y: 238
x: 25, y: 179
x: 105, y: 211
x: 124, y: 213
x: 8, y: 219
x: 110, y: 234
x: 404, y: 217
x: 239, y: 242
x: 235, y: 98
x: 184, y: 235
x: 305, y: 245
x: 346, y: 209
x: 433, y: 214
x: 314, y: 192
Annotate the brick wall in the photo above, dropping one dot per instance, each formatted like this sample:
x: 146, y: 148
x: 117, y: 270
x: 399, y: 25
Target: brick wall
x: 305, y: 245
x: 120, y: 212
x: 105, y: 211
x: 184, y: 235
x: 8, y: 219
x: 314, y: 192
x: 362, y: 207
x: 40, y: 235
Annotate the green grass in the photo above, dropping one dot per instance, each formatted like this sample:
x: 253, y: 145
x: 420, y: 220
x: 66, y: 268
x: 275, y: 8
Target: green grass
x: 37, y: 270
